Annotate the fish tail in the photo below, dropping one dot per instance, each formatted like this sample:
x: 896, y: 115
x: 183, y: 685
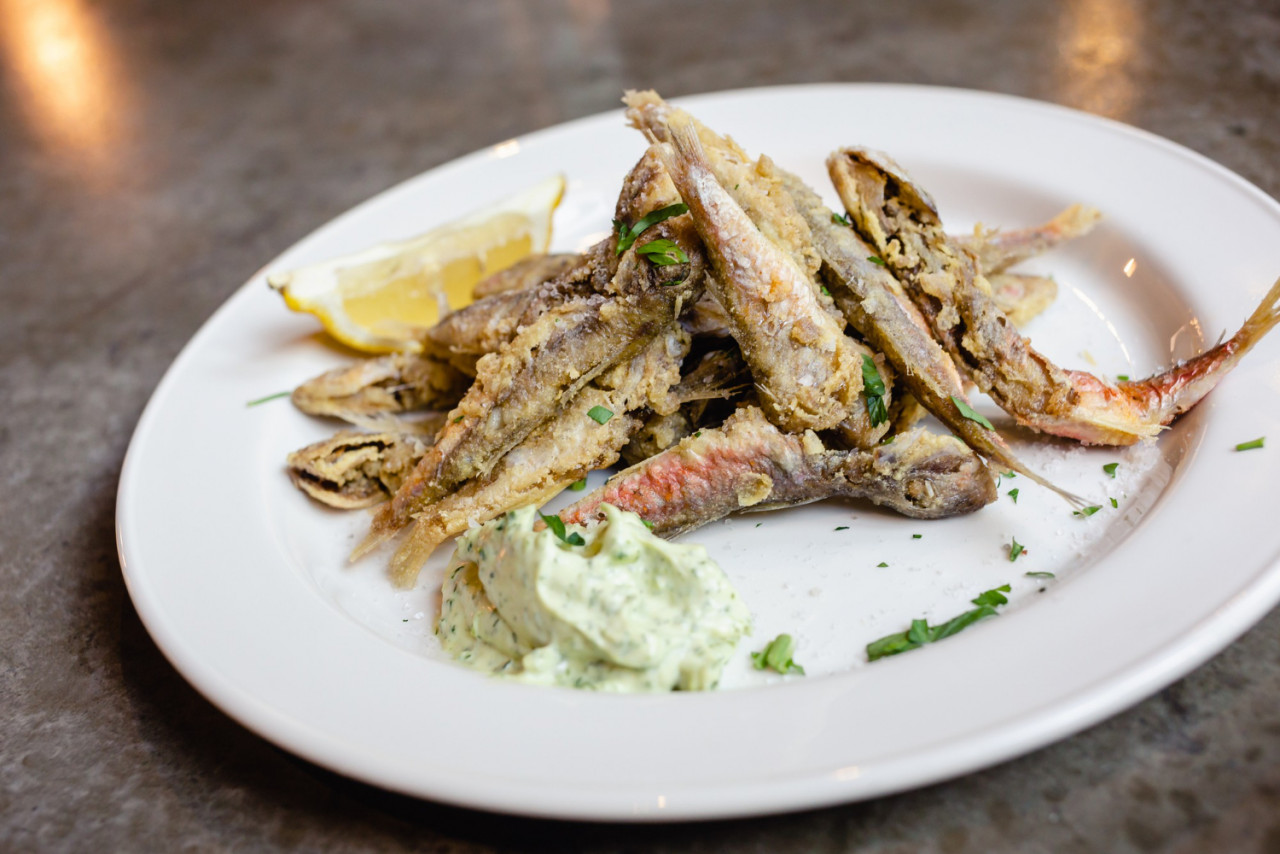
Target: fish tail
x: 413, y: 553
x: 1263, y: 320
x: 382, y: 529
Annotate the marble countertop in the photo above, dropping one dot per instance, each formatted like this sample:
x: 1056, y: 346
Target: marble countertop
x: 153, y: 156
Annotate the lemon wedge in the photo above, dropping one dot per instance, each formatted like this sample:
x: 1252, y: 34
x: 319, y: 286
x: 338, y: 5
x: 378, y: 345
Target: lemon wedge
x: 377, y: 300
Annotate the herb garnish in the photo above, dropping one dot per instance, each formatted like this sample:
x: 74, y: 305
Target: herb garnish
x: 825, y: 292
x: 776, y: 655
x: 557, y: 527
x: 922, y: 633
x: 1013, y: 493
x: 627, y: 236
x: 1039, y: 575
x: 842, y: 527
x: 841, y: 219
x: 876, y: 259
x: 873, y: 391
x: 916, y: 536
x: 599, y: 414
x: 578, y: 485
x: 1110, y: 468
x: 1115, y: 503
x: 663, y: 252
x: 1124, y: 378
x: 459, y: 419
x: 968, y: 412
x: 882, y: 564
x: 647, y: 524
x: 275, y: 396
x: 1015, y: 548
x: 1087, y: 511
x: 1249, y: 446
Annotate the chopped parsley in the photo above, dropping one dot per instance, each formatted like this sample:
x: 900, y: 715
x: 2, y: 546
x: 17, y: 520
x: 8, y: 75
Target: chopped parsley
x: 647, y: 524
x: 663, y: 252
x: 627, y: 236
x: 1124, y: 378
x: 458, y: 419
x: 557, y: 528
x: 776, y: 656
x: 841, y: 219
x: 882, y: 564
x: 873, y: 390
x: 916, y: 536
x: 876, y: 259
x: 825, y: 292
x: 1087, y: 511
x: 842, y: 527
x: 968, y: 412
x: 1013, y: 493
x: 1039, y: 575
x: 1009, y: 474
x: 599, y: 414
x: 1115, y: 503
x: 1249, y: 446
x: 275, y: 396
x: 578, y: 485
x: 1015, y: 548
x: 1110, y: 468
x: 922, y: 633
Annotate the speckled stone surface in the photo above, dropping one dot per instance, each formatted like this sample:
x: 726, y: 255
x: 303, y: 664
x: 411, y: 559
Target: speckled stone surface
x: 153, y: 155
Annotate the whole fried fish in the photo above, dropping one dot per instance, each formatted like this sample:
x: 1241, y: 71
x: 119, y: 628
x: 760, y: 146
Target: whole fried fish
x: 748, y: 464
x: 901, y: 221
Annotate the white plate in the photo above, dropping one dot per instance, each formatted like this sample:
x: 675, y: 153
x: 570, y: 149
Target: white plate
x: 241, y: 580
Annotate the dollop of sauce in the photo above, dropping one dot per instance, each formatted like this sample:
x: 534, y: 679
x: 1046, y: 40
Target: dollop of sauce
x: 625, y: 611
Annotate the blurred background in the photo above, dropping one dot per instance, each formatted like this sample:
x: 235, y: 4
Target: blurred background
x: 154, y: 155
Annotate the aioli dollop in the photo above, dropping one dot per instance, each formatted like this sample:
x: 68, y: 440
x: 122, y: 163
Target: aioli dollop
x: 625, y: 611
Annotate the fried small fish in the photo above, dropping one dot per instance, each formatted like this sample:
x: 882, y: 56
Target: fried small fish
x: 901, y: 221
x: 748, y: 464
x: 385, y: 385
x: 353, y: 470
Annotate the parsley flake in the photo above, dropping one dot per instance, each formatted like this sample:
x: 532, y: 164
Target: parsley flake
x: 916, y: 536
x: 1015, y: 548
x: 599, y: 414
x: 882, y: 564
x: 1039, y: 575
x: 842, y: 527
x: 275, y: 396
x: 578, y: 485
x: 1013, y: 493
x: 557, y: 527
x: 1087, y: 511
x: 825, y: 292
x: 776, y: 656
x: 1115, y: 503
x: 968, y: 412
x: 1110, y: 468
x: 873, y: 390
x: 876, y: 259
x: 841, y: 219
x: 627, y: 236
x: 663, y: 252
x: 1249, y: 446
x: 922, y: 633
x: 1124, y: 378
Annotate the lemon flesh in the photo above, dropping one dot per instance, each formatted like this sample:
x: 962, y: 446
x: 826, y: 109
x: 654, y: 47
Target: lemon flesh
x: 379, y: 299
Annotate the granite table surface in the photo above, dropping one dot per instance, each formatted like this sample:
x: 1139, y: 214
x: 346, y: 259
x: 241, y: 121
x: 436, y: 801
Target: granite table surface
x: 153, y: 155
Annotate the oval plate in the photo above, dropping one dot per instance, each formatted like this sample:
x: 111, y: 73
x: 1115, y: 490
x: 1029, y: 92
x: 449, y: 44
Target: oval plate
x: 242, y: 582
